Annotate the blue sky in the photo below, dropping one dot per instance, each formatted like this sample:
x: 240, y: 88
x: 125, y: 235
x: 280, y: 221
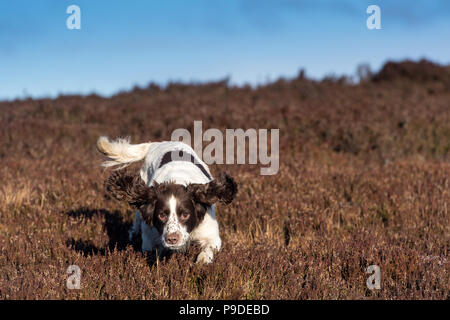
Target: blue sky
x: 126, y: 43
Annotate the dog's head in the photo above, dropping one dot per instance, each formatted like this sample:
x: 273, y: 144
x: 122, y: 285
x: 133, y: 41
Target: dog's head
x: 173, y: 209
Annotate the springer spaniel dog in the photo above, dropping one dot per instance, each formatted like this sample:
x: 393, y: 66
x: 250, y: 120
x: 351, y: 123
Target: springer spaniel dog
x: 174, y: 194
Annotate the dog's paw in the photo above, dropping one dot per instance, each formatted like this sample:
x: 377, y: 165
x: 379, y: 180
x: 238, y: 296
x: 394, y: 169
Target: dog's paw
x: 205, y: 257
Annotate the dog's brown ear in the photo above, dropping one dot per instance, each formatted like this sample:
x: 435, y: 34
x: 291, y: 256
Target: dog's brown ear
x: 222, y: 189
x: 130, y: 188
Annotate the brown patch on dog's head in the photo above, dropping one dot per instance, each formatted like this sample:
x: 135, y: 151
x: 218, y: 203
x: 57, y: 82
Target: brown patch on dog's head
x: 187, y: 213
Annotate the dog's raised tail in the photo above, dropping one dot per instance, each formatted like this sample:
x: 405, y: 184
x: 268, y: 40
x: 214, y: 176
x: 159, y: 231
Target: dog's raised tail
x: 121, y: 151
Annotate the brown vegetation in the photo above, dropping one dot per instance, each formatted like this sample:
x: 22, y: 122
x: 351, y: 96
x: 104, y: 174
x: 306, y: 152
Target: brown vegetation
x: 364, y: 179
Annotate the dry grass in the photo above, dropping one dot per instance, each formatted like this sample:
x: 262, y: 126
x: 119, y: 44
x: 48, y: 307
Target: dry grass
x: 364, y: 179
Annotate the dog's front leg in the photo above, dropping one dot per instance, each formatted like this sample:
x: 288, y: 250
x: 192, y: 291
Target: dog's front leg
x: 207, y: 236
x: 208, y: 248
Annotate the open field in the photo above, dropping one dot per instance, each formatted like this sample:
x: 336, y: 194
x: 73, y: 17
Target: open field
x: 364, y: 179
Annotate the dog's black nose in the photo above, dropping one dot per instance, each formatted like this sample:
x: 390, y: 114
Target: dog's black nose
x: 172, y: 238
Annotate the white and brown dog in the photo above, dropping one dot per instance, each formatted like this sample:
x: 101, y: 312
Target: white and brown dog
x: 174, y: 194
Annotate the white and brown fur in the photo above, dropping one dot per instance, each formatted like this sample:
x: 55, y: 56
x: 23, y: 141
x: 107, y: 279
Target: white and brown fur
x: 175, y: 199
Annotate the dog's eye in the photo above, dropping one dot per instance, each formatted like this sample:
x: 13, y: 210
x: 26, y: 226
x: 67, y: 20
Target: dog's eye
x: 162, y: 216
x: 185, y: 215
